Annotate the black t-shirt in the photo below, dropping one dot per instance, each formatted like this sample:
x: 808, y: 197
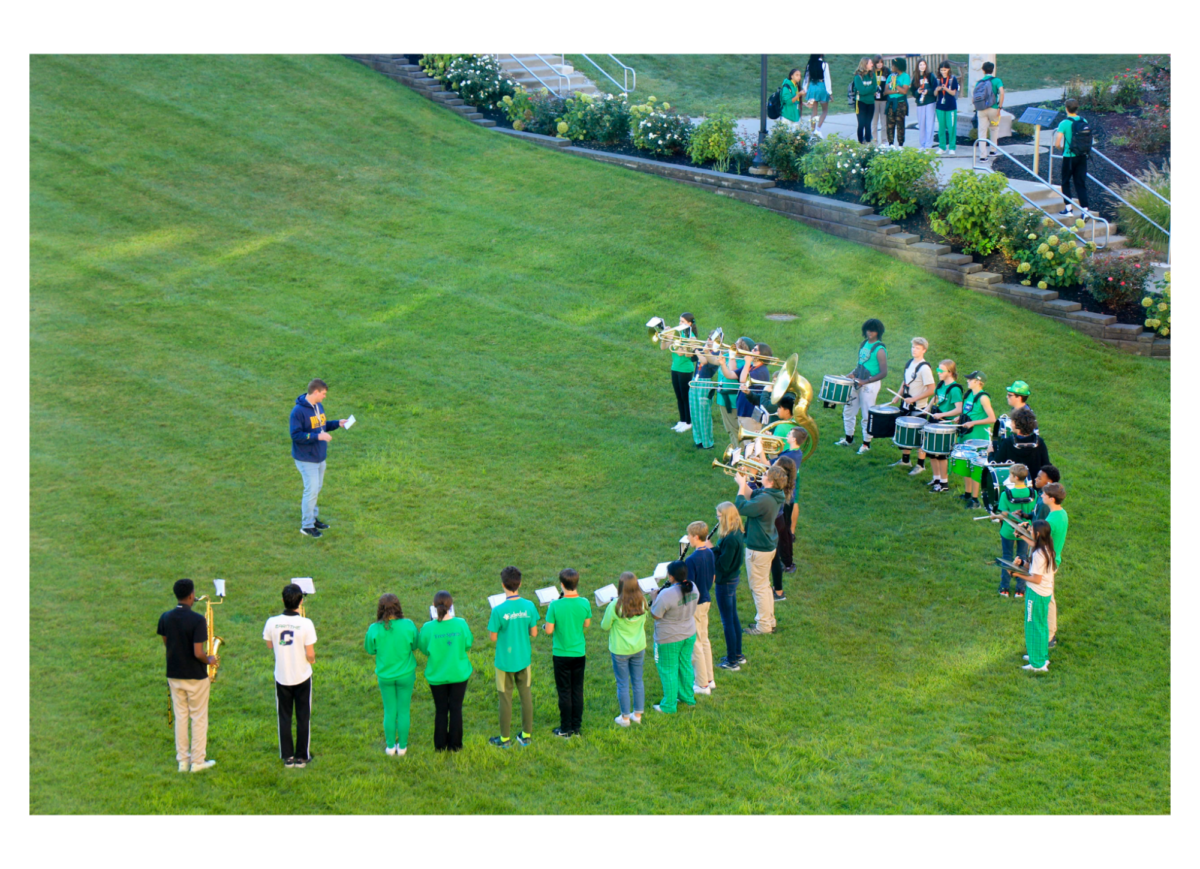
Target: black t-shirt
x: 1029, y: 451
x: 183, y: 627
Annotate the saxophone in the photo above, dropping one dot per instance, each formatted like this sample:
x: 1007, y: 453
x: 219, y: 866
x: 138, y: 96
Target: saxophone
x: 213, y: 645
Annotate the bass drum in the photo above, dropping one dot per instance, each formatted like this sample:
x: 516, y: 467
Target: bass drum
x: 992, y: 484
x: 881, y: 420
x: 908, y: 432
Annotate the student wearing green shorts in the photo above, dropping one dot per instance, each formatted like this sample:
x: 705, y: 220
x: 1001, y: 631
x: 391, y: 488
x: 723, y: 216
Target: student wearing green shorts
x: 512, y: 625
x: 391, y: 639
x: 565, y: 620
x: 444, y: 641
x: 674, y: 613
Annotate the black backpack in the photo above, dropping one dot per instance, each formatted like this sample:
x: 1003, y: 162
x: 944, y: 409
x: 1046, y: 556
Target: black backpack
x: 1027, y: 514
x: 851, y: 96
x: 775, y: 104
x: 1081, y: 137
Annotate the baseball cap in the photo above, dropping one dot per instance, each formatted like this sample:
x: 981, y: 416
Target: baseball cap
x: 1019, y: 387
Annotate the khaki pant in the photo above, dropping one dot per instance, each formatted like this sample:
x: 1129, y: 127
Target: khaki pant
x: 1052, y: 618
x: 986, y: 128
x: 749, y: 423
x: 702, y: 651
x: 189, y: 698
x: 879, y: 122
x: 729, y: 419
x: 758, y: 574
x: 505, y: 684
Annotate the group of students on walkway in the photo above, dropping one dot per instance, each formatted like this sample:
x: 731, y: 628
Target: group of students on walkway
x: 881, y: 102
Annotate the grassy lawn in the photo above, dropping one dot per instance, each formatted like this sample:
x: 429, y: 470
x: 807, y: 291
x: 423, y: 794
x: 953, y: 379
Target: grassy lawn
x: 697, y: 84
x: 208, y: 233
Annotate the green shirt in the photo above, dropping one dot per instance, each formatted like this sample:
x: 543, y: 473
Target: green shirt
x: 864, y: 87
x: 680, y: 361
x: 760, y: 510
x: 1007, y: 506
x: 392, y: 645
x: 445, y: 645
x: 568, y: 614
x: 510, y: 622
x: 627, y: 636
x: 898, y: 80
x: 728, y: 389
x: 730, y: 552
x: 789, y: 109
x: 1066, y: 128
x: 947, y: 395
x: 1058, y: 532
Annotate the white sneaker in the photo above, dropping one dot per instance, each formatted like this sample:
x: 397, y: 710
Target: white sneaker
x: 657, y: 708
x: 712, y: 683
x: 622, y: 720
x: 953, y: 152
x: 1042, y: 669
x: 844, y: 442
x: 916, y: 472
x: 864, y: 449
x: 201, y: 767
x: 636, y: 718
x: 184, y: 766
x: 687, y: 426
x: 1085, y: 215
x: 1066, y: 212
x: 678, y: 427
x: 400, y: 752
x: 389, y: 751
x: 696, y: 689
x: 1024, y: 657
x: 902, y: 463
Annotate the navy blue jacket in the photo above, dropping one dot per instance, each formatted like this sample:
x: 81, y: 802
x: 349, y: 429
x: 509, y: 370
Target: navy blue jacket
x: 306, y: 423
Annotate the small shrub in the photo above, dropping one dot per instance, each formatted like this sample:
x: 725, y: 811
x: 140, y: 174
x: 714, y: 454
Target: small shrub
x: 1158, y: 309
x: 478, y: 79
x: 537, y: 112
x: 1155, y: 74
x: 435, y: 64
x: 603, y: 118
x: 1051, y: 255
x: 659, y: 130
x: 783, y: 148
x: 901, y: 181
x: 1152, y: 131
x: 713, y: 140
x: 835, y: 164
x: 1116, y: 279
x: 976, y: 211
x: 1132, y: 223
x: 741, y: 155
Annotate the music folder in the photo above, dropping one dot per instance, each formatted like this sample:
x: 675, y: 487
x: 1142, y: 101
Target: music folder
x: 305, y: 583
x: 545, y: 595
x: 1008, y: 565
x: 219, y: 585
x: 350, y: 420
x: 496, y: 599
x: 604, y: 596
x: 433, y: 613
x: 648, y: 584
x: 660, y: 570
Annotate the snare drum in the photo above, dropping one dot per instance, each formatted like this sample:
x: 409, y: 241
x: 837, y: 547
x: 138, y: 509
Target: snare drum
x: 937, y: 438
x: 881, y: 420
x: 961, y: 458
x: 992, y: 484
x: 908, y: 432
x: 836, y: 389
x: 978, y: 465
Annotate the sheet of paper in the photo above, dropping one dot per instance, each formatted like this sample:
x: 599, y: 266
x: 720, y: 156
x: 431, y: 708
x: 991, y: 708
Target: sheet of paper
x: 606, y: 594
x: 433, y: 612
x: 545, y: 595
x: 350, y: 421
x: 496, y: 599
x: 648, y: 584
x: 305, y: 583
x: 660, y: 570
x: 219, y: 585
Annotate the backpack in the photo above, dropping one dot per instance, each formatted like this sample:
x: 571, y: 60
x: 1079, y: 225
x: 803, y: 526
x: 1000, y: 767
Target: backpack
x: 851, y: 96
x: 983, y: 96
x: 775, y: 104
x: 1025, y: 515
x: 1081, y: 137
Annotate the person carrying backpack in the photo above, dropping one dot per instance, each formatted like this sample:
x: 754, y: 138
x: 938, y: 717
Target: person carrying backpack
x: 988, y: 98
x: 1074, y: 136
x: 789, y: 99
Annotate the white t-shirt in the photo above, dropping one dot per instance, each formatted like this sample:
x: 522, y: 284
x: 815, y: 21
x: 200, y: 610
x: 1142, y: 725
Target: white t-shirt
x: 918, y: 381
x: 1041, y: 565
x: 289, y: 635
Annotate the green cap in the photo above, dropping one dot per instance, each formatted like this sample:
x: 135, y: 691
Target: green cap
x: 1019, y: 387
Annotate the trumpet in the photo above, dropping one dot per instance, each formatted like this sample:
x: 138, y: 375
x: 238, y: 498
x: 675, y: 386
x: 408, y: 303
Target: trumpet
x: 213, y: 645
x: 740, y: 465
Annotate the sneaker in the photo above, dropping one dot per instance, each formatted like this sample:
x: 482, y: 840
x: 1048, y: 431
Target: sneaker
x: 565, y: 734
x: 1004, y: 594
x: 290, y: 761
x: 678, y: 427
x: 712, y: 683
x: 865, y: 448
x: 523, y: 739
x: 502, y: 743
x: 636, y: 718
x: 202, y: 766
x: 780, y: 597
x: 1066, y: 212
x: 726, y: 664
x: 1018, y: 595
x: 400, y: 752
x: 1085, y: 214
x: 319, y: 525
x: 789, y: 568
x: 903, y: 463
x: 621, y: 720
x: 310, y: 532
x: 1053, y: 641
x: 184, y: 766
x: 696, y: 689
x: 755, y: 631
x: 1024, y: 657
x: 1042, y: 669
x: 741, y: 659
x: 938, y: 486
x: 687, y: 426
x: 953, y: 152
x: 390, y: 752
x: 844, y: 442
x: 300, y: 762
x: 917, y: 471
x: 658, y: 708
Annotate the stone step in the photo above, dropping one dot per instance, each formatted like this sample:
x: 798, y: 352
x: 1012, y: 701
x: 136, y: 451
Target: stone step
x: 904, y: 237
x: 484, y: 122
x: 977, y: 278
x: 970, y: 268
x: 1062, y: 306
x: 932, y: 248
x: 888, y: 229
x: 954, y: 259
x: 473, y: 116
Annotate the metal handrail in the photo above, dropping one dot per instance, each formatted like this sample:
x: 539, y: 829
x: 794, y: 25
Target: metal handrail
x: 1095, y: 218
x: 542, y: 82
x: 1136, y: 181
x: 627, y: 69
x: 561, y: 76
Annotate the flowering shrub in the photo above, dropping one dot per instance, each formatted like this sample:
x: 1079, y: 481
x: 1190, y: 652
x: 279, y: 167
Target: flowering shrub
x: 1116, y: 279
x: 713, y: 140
x: 976, y: 211
x: 1051, y: 256
x: 478, y: 79
x: 603, y: 118
x: 835, y: 164
x: 659, y: 130
x: 1152, y: 131
x: 435, y: 64
x: 741, y: 155
x: 782, y: 150
x: 538, y: 112
x: 1158, y: 311
x: 901, y: 181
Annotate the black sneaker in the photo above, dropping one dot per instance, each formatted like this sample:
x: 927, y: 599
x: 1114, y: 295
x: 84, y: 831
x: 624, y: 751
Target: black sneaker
x: 725, y: 664
x: 290, y: 761
x: 565, y: 734
x: 319, y: 525
x: 310, y: 532
x: 780, y: 597
x: 300, y: 763
x: 502, y: 743
x: 790, y: 568
x: 741, y: 659
x: 523, y: 739
x: 1053, y: 641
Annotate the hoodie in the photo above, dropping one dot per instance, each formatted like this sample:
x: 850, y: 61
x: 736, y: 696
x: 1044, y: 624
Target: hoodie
x: 306, y: 423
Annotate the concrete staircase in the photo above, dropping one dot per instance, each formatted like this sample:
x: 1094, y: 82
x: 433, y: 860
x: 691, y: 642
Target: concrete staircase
x: 397, y: 68
x: 553, y: 70
x: 1052, y: 201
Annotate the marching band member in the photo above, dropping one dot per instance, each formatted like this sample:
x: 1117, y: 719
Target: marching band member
x: 701, y: 392
x: 1040, y: 582
x: 184, y: 633
x: 750, y: 395
x: 948, y: 401
x: 760, y: 509
x: 785, y: 526
x: 682, y: 369
x: 868, y: 374
x: 977, y: 413
x: 728, y: 386
x: 1017, y: 501
x: 1017, y: 397
x: 919, y: 384
x: 1025, y: 445
x: 292, y: 638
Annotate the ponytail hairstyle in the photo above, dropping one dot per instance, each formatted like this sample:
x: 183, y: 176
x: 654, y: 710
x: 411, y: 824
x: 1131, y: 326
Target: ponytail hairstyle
x: 677, y: 570
x: 816, y: 68
x: 630, y: 600
x: 790, y: 467
x: 442, y: 601
x: 1043, y: 542
x: 389, y: 608
x: 951, y: 369
x: 728, y: 519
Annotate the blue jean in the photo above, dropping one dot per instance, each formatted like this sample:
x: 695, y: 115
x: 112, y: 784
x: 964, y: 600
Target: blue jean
x: 313, y: 475
x: 1006, y: 552
x: 726, y: 595
x: 628, y: 669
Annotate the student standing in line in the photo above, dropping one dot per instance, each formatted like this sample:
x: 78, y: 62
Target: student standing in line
x: 759, y: 509
x: 750, y: 388
x: 897, y: 102
x: 1040, y: 582
x: 1047, y: 475
x: 785, y: 525
x: 701, y: 570
x: 701, y: 392
x: 185, y: 633
x: 879, y: 119
x: 683, y: 367
x: 1017, y: 502
x: 816, y: 88
x: 391, y: 639
x: 292, y: 638
x: 1017, y: 396
x: 1025, y: 445
x: 868, y: 375
x: 789, y: 99
x: 924, y: 87
x: 988, y: 117
x: 864, y: 99
x: 444, y: 642
x: 917, y: 387
x: 511, y: 626
x: 1056, y: 517
x: 796, y: 438
x: 625, y: 621
x: 729, y: 386
x: 947, y: 110
x: 674, y: 613
x: 947, y: 402
x: 977, y: 416
x: 728, y: 553
x: 565, y: 620
x: 1074, y: 136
